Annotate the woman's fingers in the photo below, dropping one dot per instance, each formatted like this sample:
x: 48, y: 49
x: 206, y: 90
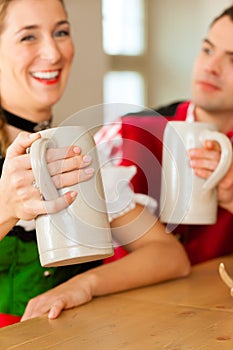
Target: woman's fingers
x: 21, y: 143
x: 60, y: 203
x: 66, y: 165
x: 38, y: 206
x: 69, y: 164
x: 73, y: 177
x: 56, y: 309
x: 54, y: 154
x: 74, y: 292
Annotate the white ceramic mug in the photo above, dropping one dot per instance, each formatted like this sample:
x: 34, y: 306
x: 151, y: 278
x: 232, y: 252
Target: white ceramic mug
x: 81, y: 232
x: 185, y: 197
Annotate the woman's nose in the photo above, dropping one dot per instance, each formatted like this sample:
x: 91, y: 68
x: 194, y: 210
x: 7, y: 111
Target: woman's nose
x: 50, y: 51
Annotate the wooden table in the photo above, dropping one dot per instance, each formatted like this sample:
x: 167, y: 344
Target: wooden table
x: 194, y: 313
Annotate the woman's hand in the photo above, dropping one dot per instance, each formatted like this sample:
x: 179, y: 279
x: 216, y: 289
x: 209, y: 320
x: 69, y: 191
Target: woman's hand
x: 19, y: 199
x: 74, y: 292
x: 204, y: 161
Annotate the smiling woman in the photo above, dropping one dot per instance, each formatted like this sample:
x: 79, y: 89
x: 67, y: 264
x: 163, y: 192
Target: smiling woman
x: 36, y: 55
x: 36, y: 52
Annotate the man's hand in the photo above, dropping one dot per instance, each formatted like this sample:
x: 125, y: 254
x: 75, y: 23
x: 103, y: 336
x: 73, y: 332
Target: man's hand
x: 204, y: 161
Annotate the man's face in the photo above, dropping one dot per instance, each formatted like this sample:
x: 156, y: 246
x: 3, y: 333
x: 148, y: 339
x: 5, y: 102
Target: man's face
x: 212, y: 81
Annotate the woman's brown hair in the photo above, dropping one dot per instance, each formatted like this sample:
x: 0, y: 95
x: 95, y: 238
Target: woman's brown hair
x: 4, y: 141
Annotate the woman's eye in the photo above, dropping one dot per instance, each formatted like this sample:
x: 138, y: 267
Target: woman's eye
x: 61, y: 33
x: 28, y: 38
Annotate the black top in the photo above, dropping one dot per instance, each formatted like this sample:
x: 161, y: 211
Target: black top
x: 24, y: 124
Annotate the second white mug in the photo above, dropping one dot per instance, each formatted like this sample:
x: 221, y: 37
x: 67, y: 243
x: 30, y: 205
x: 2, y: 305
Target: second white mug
x: 185, y: 197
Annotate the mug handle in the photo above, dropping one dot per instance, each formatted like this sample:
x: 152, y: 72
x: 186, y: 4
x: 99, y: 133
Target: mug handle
x: 40, y: 168
x: 98, y: 237
x: 225, y: 160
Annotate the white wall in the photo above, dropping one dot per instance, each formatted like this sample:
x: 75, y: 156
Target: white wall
x: 175, y: 33
x: 85, y: 84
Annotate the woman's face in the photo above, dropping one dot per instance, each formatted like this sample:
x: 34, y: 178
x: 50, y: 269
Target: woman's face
x: 36, y: 53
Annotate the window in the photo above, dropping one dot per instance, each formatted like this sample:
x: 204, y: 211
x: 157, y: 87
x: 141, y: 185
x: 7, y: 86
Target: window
x: 124, y: 46
x: 123, y: 27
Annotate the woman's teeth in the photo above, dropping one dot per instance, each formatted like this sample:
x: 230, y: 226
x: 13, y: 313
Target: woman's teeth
x: 46, y: 75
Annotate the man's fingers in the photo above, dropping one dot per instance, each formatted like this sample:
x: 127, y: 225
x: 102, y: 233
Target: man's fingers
x: 212, y: 145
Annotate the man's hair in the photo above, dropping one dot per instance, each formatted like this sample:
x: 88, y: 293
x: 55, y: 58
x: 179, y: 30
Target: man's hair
x: 227, y: 12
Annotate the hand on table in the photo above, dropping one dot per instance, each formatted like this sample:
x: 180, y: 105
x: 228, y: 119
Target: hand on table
x: 75, y: 292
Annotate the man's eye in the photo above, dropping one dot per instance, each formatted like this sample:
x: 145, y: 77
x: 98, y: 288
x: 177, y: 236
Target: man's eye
x: 61, y: 33
x: 207, y: 50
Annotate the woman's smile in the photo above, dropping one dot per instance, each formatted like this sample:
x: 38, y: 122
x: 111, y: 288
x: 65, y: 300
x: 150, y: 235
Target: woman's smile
x: 48, y: 77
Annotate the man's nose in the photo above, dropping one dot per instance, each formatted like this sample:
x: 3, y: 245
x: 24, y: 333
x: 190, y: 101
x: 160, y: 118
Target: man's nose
x: 214, y: 65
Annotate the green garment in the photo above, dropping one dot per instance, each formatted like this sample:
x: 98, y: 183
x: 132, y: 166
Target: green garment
x: 22, y: 277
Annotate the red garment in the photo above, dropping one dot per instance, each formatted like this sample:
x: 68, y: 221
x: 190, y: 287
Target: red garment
x: 142, y: 146
x: 7, y: 320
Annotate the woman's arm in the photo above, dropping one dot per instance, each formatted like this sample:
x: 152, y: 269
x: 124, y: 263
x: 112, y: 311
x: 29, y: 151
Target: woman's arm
x: 154, y: 256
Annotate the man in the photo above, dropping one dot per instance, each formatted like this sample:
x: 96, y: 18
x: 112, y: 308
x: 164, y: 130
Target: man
x: 212, y: 101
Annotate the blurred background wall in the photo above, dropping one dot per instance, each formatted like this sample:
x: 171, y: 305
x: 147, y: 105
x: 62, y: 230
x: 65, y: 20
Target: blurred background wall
x: 174, y: 31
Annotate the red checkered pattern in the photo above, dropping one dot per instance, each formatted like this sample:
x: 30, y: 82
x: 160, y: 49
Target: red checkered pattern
x: 109, y: 137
